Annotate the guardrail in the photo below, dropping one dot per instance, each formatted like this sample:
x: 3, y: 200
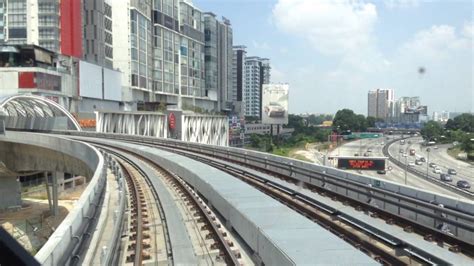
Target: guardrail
x: 106, y: 253
x: 402, y: 201
x: 423, y: 175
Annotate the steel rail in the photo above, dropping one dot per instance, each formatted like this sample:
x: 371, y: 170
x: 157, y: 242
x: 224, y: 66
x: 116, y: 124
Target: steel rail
x: 231, y: 256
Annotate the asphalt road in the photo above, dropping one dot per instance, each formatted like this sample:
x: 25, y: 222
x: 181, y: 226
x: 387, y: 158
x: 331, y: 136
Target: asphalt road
x: 396, y: 174
x: 438, y: 156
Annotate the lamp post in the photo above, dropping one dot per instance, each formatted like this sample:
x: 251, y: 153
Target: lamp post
x: 406, y: 167
x: 427, y: 161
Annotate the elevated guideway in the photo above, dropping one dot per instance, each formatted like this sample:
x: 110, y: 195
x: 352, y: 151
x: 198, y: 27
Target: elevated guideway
x: 265, y: 208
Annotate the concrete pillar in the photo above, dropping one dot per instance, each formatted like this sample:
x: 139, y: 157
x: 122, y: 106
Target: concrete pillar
x: 55, y: 193
x: 10, y: 193
x: 60, y: 177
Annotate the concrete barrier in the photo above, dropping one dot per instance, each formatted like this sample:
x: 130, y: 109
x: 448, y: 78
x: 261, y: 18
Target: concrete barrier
x: 397, y: 199
x: 61, y: 244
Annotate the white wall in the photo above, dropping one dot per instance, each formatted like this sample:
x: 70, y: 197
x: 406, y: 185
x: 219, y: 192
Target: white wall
x: 8, y: 83
x: 90, y: 80
x: 112, y: 85
x: 121, y: 37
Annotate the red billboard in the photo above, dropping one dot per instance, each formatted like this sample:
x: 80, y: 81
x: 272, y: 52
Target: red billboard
x: 361, y: 164
x: 71, y: 27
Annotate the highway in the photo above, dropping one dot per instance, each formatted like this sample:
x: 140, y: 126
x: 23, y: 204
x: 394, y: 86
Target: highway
x: 396, y: 174
x: 438, y: 156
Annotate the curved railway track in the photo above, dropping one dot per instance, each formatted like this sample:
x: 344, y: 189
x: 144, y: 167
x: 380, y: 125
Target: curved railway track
x: 137, y: 180
x: 373, y: 242
x: 378, y: 245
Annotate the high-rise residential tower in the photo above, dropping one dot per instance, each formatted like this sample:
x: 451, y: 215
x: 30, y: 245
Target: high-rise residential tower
x: 218, y: 60
x: 381, y: 103
x: 257, y: 73
x: 52, y: 24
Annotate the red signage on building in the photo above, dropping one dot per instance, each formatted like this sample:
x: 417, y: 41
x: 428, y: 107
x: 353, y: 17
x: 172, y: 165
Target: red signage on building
x: 172, y: 121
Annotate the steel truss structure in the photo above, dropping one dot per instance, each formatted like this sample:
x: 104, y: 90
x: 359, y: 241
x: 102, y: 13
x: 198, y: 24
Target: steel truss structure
x: 205, y: 129
x: 132, y: 123
x: 26, y: 111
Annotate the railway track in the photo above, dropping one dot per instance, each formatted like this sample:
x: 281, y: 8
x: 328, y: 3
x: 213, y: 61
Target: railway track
x: 139, y: 248
x: 378, y: 244
x: 381, y: 246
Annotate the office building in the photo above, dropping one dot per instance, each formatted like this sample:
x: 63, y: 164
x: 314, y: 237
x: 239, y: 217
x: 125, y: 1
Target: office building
x: 238, y: 72
x: 218, y: 60
x: 381, y: 103
x: 257, y: 73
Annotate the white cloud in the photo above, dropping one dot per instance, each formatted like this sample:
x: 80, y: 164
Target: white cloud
x: 468, y: 30
x: 261, y: 45
x: 391, y: 4
x: 332, y: 27
x: 438, y: 43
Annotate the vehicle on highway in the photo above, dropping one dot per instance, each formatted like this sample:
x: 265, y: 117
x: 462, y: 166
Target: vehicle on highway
x: 432, y: 165
x: 356, y: 154
x: 435, y: 147
x: 382, y: 143
x: 411, y: 164
x: 418, y: 162
x: 401, y: 151
x: 463, y: 184
x: 437, y: 171
x: 366, y: 154
x: 369, y: 150
x: 412, y: 152
x: 381, y: 172
x: 422, y: 159
x: 452, y: 171
x: 445, y: 178
x: 402, y: 142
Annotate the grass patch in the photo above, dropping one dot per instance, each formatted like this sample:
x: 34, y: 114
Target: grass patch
x: 455, y: 151
x: 302, y: 158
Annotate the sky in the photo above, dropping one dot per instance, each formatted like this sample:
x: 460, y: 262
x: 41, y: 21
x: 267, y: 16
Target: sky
x: 332, y: 52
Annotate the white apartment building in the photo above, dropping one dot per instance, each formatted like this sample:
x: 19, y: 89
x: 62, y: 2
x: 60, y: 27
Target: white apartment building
x: 381, y: 103
x: 257, y: 73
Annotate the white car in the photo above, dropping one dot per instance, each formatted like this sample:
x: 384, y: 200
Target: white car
x: 437, y: 171
x: 274, y: 110
x: 411, y: 164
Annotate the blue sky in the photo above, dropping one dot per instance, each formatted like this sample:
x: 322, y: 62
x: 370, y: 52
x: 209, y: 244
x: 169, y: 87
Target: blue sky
x: 332, y: 52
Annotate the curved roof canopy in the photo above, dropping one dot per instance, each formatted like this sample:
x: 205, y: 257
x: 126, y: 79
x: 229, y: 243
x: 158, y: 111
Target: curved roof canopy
x: 32, y: 106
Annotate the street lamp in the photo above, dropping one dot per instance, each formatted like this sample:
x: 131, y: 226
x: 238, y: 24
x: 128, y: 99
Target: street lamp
x: 427, y: 161
x: 406, y: 167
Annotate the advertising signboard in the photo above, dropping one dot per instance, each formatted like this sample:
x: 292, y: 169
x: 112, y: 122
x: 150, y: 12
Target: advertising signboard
x: 275, y: 104
x: 361, y: 163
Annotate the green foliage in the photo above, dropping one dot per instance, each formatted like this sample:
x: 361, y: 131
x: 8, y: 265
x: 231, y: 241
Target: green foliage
x: 372, y: 120
x: 347, y: 120
x: 432, y: 130
x: 318, y: 120
x: 464, y: 122
x: 303, y: 134
x: 252, y: 119
x: 459, y: 129
x: 261, y: 142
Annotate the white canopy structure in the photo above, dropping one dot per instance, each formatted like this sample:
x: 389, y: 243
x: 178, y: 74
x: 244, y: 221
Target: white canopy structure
x: 33, y: 112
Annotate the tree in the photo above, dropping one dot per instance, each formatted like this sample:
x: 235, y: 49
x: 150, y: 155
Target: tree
x: 464, y: 122
x: 372, y: 120
x: 347, y: 120
x: 432, y: 130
